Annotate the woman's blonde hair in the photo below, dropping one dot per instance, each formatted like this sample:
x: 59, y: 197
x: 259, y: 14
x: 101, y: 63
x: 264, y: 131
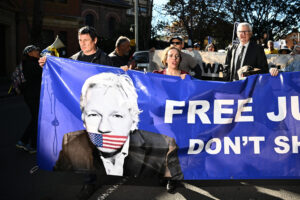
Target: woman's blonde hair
x: 165, y: 55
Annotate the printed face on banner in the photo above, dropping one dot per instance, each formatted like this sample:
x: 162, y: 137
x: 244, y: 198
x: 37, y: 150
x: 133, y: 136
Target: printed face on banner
x: 107, y: 114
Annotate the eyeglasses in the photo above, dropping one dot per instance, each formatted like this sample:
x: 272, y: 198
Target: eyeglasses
x: 176, y: 43
x: 244, y: 32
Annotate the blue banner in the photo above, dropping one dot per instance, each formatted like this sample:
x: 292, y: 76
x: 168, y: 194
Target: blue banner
x: 223, y: 130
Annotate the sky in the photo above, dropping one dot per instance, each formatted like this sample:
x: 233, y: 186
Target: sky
x: 157, y: 4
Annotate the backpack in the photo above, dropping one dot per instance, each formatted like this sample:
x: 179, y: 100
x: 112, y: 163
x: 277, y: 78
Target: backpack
x: 18, y: 80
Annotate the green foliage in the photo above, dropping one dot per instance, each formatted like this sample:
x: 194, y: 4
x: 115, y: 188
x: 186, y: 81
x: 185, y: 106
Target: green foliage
x: 215, y: 18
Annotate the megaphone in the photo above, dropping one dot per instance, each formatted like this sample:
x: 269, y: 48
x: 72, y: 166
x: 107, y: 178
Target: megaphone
x: 52, y: 49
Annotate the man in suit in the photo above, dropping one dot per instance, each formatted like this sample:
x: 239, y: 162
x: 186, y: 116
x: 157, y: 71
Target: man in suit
x: 112, y: 143
x: 246, y: 53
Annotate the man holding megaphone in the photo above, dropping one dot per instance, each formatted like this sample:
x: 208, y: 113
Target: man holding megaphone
x: 87, y: 38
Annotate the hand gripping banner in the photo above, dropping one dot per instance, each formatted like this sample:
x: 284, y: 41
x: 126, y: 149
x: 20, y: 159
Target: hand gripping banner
x: 102, y: 119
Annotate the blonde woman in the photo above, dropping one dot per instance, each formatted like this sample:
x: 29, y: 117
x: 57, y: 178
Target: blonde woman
x: 171, y: 59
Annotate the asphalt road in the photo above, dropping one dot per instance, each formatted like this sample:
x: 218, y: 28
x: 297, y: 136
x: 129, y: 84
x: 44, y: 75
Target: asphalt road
x: 17, y: 182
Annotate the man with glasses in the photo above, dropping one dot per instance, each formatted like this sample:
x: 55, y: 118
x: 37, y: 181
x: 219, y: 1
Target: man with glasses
x: 246, y: 53
x: 187, y: 63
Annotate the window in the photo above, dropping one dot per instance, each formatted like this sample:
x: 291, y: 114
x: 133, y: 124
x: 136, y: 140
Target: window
x: 111, y: 25
x: 89, y: 20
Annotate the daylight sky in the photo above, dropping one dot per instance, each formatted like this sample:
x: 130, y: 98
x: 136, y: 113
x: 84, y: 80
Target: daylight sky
x: 157, y: 4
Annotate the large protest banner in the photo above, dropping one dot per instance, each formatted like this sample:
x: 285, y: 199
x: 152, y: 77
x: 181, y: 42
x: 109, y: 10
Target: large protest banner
x: 237, y: 130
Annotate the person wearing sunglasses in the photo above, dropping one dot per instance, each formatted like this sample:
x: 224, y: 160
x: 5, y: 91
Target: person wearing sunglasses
x: 246, y: 53
x: 187, y: 62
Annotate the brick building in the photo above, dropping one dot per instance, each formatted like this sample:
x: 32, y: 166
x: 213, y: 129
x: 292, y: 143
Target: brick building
x: 111, y: 18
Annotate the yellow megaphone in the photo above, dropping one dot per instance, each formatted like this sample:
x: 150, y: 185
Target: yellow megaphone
x: 52, y: 49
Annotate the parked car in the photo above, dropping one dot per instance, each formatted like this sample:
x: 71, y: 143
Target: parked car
x: 141, y: 59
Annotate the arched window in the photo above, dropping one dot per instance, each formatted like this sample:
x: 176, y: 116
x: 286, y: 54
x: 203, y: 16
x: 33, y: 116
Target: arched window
x: 89, y: 20
x: 112, y: 25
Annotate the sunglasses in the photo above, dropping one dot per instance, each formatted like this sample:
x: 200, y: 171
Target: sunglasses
x: 176, y: 43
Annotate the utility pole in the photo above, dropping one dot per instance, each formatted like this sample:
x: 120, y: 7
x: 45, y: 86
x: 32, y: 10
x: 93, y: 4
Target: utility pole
x: 136, y: 22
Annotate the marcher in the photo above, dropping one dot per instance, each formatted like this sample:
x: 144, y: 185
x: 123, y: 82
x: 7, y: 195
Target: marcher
x: 270, y: 49
x: 31, y: 92
x: 171, y: 60
x: 293, y: 64
x: 87, y: 38
x: 187, y: 63
x: 120, y: 56
x: 210, y: 47
x: 246, y: 53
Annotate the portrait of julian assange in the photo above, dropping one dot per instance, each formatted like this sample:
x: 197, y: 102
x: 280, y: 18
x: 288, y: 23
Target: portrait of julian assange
x: 111, y: 143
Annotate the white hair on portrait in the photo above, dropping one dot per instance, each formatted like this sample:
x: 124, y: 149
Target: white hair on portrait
x: 244, y: 24
x: 122, y: 83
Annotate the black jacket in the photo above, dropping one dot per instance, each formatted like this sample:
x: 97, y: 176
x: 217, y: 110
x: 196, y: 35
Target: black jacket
x: 149, y: 155
x: 254, y: 57
x: 33, y: 76
x: 100, y: 57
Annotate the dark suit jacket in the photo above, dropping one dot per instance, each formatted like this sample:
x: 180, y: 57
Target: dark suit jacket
x: 149, y: 155
x: 254, y: 57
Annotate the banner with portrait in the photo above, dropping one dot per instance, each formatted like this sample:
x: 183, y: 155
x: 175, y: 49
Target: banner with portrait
x: 221, y: 130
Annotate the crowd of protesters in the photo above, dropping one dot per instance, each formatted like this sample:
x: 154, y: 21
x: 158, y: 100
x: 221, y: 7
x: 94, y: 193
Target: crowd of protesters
x: 246, y: 55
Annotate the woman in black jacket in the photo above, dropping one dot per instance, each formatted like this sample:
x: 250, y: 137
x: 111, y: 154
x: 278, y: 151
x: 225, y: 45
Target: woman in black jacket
x: 31, y: 92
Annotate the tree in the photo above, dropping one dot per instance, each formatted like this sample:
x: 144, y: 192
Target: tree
x: 277, y: 17
x: 199, y: 18
x: 215, y: 18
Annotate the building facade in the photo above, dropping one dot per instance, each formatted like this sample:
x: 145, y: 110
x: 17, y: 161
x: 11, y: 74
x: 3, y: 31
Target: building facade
x: 18, y: 19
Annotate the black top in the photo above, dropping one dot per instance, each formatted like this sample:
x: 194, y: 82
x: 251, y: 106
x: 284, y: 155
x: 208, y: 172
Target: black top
x: 86, y: 58
x: 118, y: 61
x: 33, y: 76
x: 100, y: 57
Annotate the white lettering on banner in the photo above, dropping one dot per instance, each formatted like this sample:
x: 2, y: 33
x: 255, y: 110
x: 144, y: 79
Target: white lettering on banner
x: 217, y: 147
x: 281, y: 142
x: 295, y: 107
x: 214, y: 145
x: 296, y: 144
x: 242, y: 108
x: 284, y: 147
x: 219, y: 110
x: 256, y: 142
x: 170, y: 111
x: 200, y: 112
x: 193, y: 143
x: 282, y: 109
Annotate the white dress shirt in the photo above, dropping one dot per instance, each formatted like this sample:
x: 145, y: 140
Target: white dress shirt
x: 114, y: 165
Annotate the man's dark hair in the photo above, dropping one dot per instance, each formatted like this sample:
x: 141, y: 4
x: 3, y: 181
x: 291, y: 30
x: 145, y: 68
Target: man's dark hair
x: 88, y: 30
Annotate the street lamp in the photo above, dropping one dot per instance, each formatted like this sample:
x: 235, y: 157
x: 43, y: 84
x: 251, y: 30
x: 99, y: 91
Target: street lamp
x: 136, y: 22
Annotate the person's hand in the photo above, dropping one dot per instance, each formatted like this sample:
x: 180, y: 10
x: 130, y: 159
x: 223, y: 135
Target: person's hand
x: 132, y: 64
x: 42, y: 61
x: 273, y: 71
x: 125, y: 68
x: 182, y: 76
